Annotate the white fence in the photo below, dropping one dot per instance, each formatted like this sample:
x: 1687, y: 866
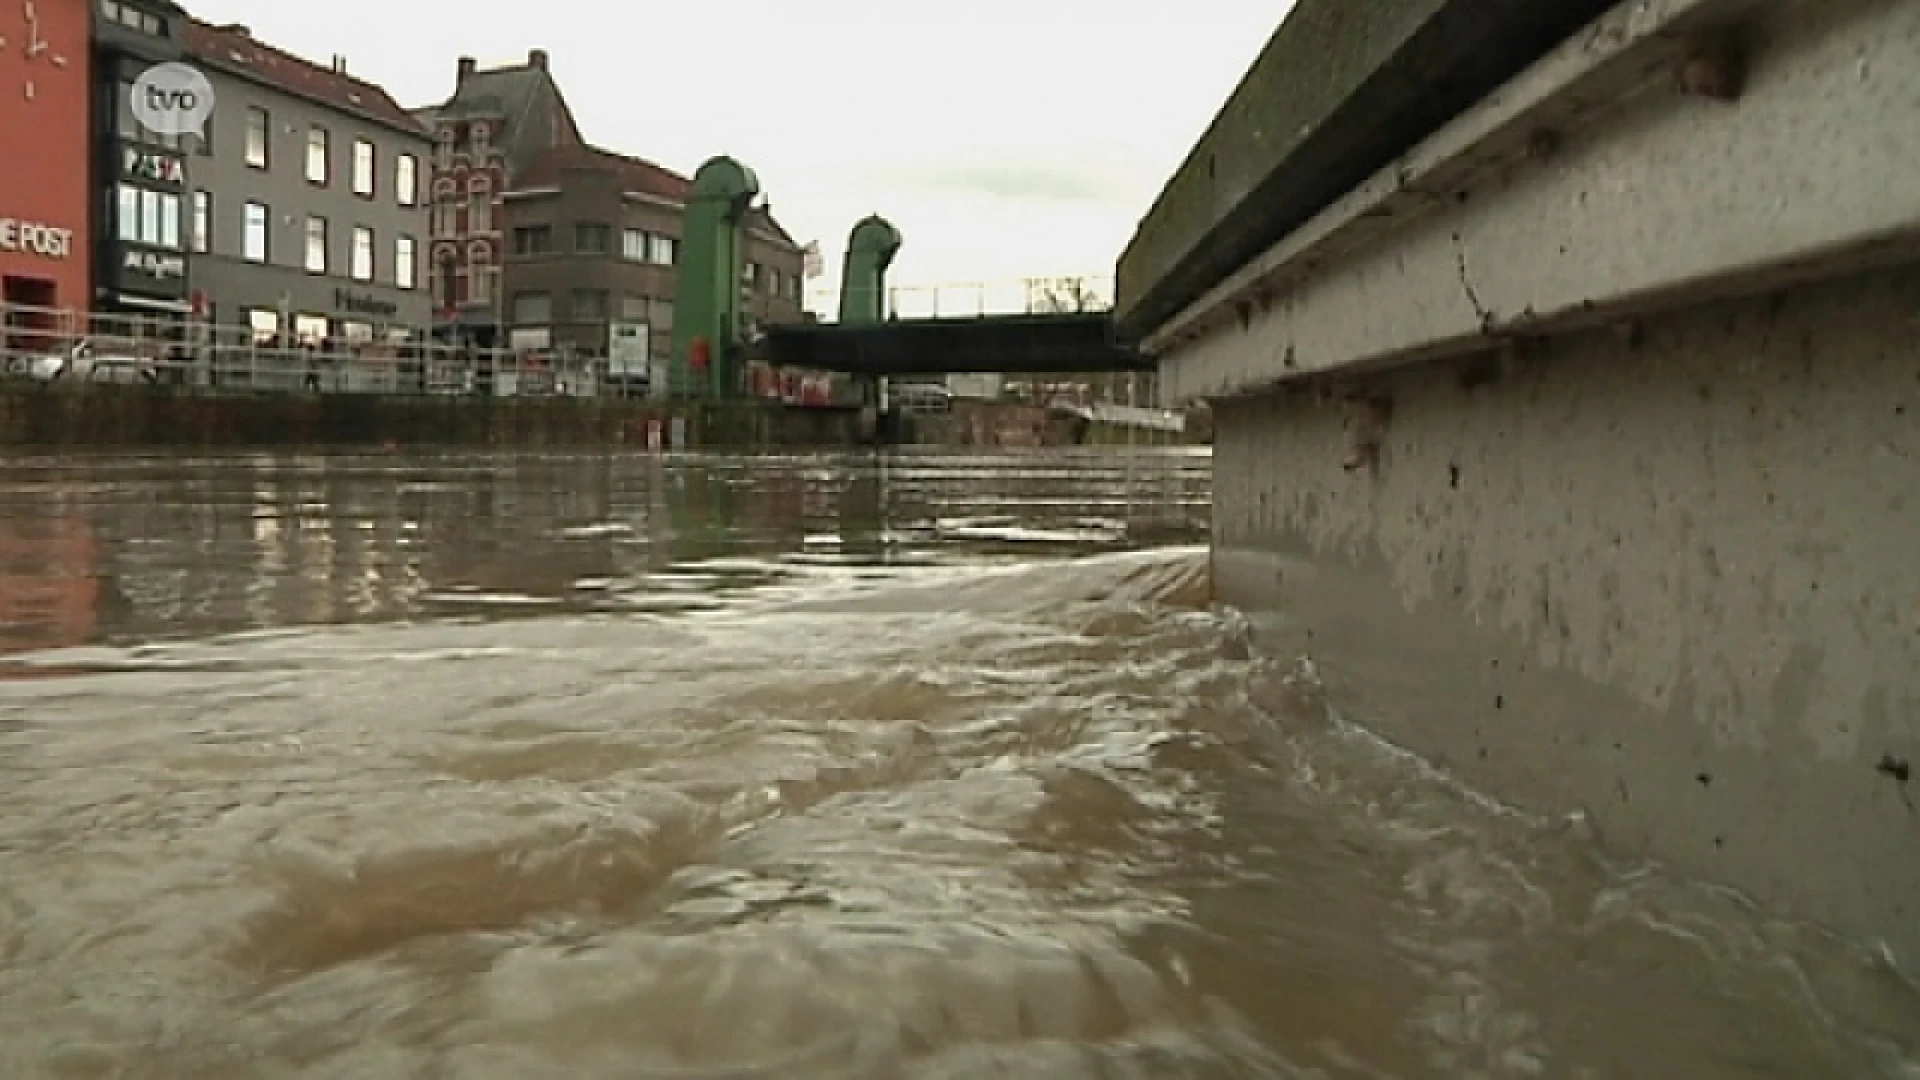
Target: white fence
x: 1023, y: 296
x: 64, y: 349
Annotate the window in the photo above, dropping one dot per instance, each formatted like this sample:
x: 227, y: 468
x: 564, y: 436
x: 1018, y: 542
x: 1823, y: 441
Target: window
x: 446, y: 284
x: 633, y: 245
x: 532, y: 309
x: 661, y: 250
x: 533, y: 240
x: 317, y: 142
x: 773, y: 281
x: 406, y: 179
x: 362, y: 268
x: 483, y: 278
x: 590, y: 238
x: 317, y: 245
x: 150, y: 218
x: 406, y: 268
x: 202, y: 221
x: 259, y: 128
x: 440, y: 219
x: 355, y: 331
x: 633, y: 308
x: 482, y: 282
x: 264, y: 322
x: 662, y: 318
x: 589, y: 304
x: 363, y: 168
x: 132, y: 17
x: 480, y: 215
x: 310, y: 329
x: 254, y: 243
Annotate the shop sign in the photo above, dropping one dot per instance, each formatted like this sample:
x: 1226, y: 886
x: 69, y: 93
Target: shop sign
x: 155, y: 265
x: 35, y: 238
x: 363, y: 304
x: 154, y: 168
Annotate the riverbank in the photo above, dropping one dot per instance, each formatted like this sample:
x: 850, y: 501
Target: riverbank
x: 110, y: 416
x: 144, y: 416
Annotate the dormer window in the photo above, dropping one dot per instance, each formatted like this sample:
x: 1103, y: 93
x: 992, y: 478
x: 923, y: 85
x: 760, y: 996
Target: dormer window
x: 130, y: 16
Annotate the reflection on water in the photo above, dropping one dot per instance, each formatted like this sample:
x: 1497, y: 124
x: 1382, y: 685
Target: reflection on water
x: 778, y: 767
x: 131, y: 550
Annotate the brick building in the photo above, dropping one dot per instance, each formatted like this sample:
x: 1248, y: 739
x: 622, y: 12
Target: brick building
x: 540, y: 236
x: 593, y: 240
x: 45, y: 231
x: 492, y: 128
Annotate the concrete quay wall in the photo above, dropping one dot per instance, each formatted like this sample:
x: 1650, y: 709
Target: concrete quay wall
x: 40, y: 416
x: 1671, y: 584
x: 1579, y: 443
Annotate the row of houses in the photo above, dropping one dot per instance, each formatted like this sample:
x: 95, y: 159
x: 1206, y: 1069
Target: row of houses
x: 313, y: 205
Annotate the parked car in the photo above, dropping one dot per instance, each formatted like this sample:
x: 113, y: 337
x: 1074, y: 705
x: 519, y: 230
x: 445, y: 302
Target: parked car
x: 920, y: 397
x: 87, y: 361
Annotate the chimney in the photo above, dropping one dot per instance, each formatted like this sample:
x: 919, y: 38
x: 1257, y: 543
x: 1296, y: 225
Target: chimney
x: 467, y: 65
x: 236, y: 29
x: 537, y: 58
x: 339, y: 64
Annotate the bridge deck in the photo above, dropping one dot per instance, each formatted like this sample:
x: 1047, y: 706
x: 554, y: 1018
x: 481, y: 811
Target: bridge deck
x: 1008, y: 344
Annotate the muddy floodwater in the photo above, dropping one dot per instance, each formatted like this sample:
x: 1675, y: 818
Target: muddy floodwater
x: 852, y: 766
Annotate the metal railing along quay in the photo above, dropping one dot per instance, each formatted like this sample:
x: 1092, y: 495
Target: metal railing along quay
x: 58, y: 348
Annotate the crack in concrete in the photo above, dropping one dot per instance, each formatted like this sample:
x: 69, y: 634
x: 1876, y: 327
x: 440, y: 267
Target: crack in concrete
x: 1466, y: 284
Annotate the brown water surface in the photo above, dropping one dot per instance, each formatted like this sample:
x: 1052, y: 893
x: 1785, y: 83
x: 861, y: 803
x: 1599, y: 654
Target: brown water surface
x: 917, y: 766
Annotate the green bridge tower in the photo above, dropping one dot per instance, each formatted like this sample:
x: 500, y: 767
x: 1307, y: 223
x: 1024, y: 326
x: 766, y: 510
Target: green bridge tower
x: 863, y: 300
x: 706, y: 318
x: 863, y: 279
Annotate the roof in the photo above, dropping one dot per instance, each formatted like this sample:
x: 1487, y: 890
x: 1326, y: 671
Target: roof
x: 525, y: 96
x: 763, y: 216
x: 233, y: 49
x: 640, y: 177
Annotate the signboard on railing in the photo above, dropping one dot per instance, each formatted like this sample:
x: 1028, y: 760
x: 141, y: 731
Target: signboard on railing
x: 629, y: 350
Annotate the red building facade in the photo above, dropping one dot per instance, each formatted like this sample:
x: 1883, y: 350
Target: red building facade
x: 495, y: 124
x: 45, y: 82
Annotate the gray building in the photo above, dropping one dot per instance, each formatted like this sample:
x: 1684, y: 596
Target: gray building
x: 307, y: 210
x: 140, y: 176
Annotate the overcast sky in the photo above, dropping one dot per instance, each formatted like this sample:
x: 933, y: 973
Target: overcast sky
x: 1004, y: 138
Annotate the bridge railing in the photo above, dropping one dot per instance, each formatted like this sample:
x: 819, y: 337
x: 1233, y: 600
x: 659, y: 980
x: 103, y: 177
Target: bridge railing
x: 966, y: 300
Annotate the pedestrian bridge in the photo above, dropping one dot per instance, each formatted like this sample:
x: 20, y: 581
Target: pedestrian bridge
x: 1031, y: 326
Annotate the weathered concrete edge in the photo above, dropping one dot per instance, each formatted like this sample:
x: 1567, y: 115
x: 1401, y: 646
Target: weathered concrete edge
x: 1339, y: 89
x: 1601, y: 64
x: 1390, y: 274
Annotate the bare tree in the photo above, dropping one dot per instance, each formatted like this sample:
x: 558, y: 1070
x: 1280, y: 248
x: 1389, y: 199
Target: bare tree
x: 1063, y: 296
